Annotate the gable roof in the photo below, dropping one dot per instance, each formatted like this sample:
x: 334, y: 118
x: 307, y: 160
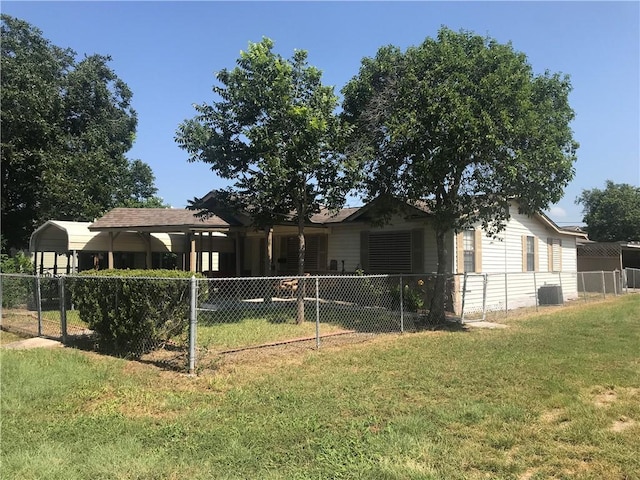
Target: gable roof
x: 157, y: 220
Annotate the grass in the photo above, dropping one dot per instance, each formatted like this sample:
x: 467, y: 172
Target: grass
x: 219, y: 331
x: 555, y: 395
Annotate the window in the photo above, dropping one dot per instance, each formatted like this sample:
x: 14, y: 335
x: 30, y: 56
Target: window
x: 469, y: 250
x: 530, y: 262
x: 531, y: 254
x: 392, y: 252
x: 315, y: 255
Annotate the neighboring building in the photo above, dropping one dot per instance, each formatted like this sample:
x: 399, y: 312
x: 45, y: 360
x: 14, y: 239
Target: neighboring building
x: 607, y: 257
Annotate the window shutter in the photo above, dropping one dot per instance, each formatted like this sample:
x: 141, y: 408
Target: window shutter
x: 554, y: 247
x: 478, y: 251
x: 364, y: 251
x: 524, y: 253
x: 459, y: 252
x: 559, y: 254
x: 322, y: 252
x: 550, y: 254
x: 417, y: 249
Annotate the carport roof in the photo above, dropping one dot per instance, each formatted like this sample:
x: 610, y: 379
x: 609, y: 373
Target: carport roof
x: 157, y: 220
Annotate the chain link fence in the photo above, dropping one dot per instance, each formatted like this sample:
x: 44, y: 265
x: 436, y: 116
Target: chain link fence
x: 183, y: 323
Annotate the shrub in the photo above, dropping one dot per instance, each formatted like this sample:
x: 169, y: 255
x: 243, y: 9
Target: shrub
x: 16, y: 290
x: 133, y: 311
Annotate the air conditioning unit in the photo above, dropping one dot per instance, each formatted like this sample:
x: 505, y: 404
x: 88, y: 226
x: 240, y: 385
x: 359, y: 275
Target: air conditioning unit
x: 550, y: 295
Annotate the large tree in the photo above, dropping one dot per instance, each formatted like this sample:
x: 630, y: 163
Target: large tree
x: 66, y: 126
x: 461, y: 124
x: 612, y: 214
x: 273, y: 129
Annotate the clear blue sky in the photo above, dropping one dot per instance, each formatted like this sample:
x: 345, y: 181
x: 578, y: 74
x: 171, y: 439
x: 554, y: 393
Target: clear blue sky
x: 168, y: 52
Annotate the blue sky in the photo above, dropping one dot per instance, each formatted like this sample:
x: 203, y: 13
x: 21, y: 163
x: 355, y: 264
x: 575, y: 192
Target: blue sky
x: 168, y: 52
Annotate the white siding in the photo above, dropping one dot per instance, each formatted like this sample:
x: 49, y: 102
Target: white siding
x: 503, y: 254
x: 344, y: 242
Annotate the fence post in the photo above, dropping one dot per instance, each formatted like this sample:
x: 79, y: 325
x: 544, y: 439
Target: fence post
x: 604, y: 286
x: 615, y: 282
x: 535, y: 290
x: 484, y: 296
x: 464, y: 294
x: 193, y: 323
x: 561, y: 290
x: 317, y: 313
x: 39, y: 304
x: 63, y: 310
x: 506, y: 294
x: 401, y: 306
x: 584, y: 287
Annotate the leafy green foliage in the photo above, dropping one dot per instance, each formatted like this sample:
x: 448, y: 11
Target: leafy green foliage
x: 133, y: 311
x: 66, y: 126
x: 16, y: 290
x: 462, y: 125
x: 273, y: 130
x: 612, y: 214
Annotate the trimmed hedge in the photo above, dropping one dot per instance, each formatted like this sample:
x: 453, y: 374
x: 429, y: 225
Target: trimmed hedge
x: 133, y: 311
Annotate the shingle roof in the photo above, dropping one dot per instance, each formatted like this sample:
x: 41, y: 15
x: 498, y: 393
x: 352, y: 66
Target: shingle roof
x: 326, y: 216
x: 164, y: 219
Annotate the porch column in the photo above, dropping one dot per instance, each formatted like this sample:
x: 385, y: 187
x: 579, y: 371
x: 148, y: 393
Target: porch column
x: 110, y: 254
x: 210, y: 252
x: 74, y: 267
x: 268, y: 260
x: 149, y: 257
x: 192, y: 252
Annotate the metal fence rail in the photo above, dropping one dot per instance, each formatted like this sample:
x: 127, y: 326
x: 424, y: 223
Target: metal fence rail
x: 221, y: 316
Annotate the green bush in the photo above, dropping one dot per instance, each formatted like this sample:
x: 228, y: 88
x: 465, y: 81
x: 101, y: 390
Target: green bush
x: 16, y: 290
x: 133, y: 311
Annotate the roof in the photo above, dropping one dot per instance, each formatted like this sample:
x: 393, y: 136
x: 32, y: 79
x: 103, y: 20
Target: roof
x: 158, y: 220
x: 63, y: 236
x: 327, y: 216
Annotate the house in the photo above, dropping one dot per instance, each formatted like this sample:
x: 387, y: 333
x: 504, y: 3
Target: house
x: 505, y: 271
x: 502, y: 272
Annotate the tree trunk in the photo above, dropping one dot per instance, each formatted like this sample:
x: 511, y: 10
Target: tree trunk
x: 301, y: 280
x: 436, y: 310
x: 268, y: 260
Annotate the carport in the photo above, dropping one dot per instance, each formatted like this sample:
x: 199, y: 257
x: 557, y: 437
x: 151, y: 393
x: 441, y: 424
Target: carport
x: 81, y: 248
x: 199, y: 235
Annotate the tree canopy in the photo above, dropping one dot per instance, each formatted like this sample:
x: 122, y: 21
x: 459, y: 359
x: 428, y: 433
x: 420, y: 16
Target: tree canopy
x: 66, y: 126
x: 612, y: 214
x: 462, y: 124
x: 272, y: 128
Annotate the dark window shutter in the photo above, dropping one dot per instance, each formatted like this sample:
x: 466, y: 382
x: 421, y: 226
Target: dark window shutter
x: 322, y: 252
x: 417, y: 251
x: 364, y: 251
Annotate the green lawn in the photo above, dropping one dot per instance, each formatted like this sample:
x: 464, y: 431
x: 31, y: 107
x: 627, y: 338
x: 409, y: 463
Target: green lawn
x: 553, y: 396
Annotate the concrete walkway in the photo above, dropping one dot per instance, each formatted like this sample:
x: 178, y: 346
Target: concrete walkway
x: 485, y: 325
x: 37, y: 342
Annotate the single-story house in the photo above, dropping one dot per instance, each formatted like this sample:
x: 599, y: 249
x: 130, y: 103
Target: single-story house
x: 531, y: 252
